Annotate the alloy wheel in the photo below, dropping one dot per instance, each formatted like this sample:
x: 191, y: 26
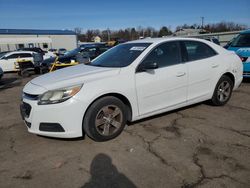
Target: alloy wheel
x: 223, y: 92
x: 108, y: 120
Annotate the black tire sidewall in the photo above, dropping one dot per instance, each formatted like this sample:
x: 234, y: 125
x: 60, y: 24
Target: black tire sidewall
x: 89, y: 119
x: 25, y: 74
x: 215, y: 101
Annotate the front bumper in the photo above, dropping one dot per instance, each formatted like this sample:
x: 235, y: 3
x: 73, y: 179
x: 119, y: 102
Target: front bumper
x: 63, y: 120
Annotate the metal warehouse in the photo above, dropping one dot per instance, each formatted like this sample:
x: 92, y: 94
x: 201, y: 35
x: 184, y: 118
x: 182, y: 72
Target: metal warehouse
x: 13, y: 39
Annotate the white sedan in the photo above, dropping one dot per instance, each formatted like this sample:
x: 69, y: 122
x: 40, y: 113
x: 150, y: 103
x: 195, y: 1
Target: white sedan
x: 7, y: 61
x: 129, y: 82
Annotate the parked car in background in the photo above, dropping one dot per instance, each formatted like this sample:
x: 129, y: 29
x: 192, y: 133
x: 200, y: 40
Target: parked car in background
x: 46, y: 54
x: 94, y: 50
x: 88, y: 51
x: 61, y: 51
x: 3, y: 53
x: 129, y: 82
x: 241, y: 46
x: 102, y: 46
x: 53, y: 50
x: 8, y: 60
x: 35, y: 49
x: 229, y: 43
x: 1, y: 73
x: 212, y: 39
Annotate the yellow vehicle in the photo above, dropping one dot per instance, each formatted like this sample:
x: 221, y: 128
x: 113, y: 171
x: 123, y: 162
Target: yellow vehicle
x: 111, y: 43
x: 24, y: 67
x: 58, y: 65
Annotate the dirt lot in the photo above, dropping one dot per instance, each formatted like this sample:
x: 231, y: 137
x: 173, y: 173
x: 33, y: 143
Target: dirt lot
x: 199, y: 146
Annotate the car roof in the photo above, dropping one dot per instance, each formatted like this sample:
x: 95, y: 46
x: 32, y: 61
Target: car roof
x: 18, y: 52
x: 164, y: 39
x: 245, y: 32
x: 156, y: 41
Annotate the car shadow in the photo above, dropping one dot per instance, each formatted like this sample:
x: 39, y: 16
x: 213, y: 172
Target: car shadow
x: 167, y: 113
x: 246, y: 80
x: 6, y: 83
x: 63, y: 139
x: 105, y: 174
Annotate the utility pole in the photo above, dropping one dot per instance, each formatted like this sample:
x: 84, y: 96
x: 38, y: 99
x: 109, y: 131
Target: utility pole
x: 108, y: 32
x: 202, y: 22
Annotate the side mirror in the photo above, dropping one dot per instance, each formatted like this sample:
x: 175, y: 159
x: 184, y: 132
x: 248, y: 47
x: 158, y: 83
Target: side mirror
x: 148, y: 65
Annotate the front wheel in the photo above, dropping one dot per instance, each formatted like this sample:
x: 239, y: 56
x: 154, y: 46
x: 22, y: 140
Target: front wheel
x: 105, y: 119
x: 223, y: 91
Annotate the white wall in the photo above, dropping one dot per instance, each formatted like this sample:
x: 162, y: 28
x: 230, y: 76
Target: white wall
x: 58, y: 41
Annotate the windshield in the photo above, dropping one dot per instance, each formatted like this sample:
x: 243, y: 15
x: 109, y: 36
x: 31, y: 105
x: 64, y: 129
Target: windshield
x: 121, y: 55
x: 73, y: 52
x: 2, y: 54
x: 242, y: 40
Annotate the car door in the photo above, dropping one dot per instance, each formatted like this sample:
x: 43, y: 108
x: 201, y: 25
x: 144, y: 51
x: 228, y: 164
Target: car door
x: 165, y: 86
x: 202, y: 67
x: 3, y: 64
x: 7, y: 62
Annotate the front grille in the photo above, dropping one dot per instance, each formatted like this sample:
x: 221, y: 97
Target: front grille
x: 30, y: 96
x: 25, y: 109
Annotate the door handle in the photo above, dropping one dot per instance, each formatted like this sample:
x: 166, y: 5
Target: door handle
x: 215, y: 65
x: 180, y: 74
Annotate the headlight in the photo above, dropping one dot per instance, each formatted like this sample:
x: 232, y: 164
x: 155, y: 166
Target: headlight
x: 59, y: 95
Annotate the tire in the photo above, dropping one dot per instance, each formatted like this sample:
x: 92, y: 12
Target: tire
x: 37, y: 70
x: 105, y: 119
x: 25, y: 73
x: 223, y: 91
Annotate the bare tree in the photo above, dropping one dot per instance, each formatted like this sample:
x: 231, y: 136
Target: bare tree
x: 78, y: 30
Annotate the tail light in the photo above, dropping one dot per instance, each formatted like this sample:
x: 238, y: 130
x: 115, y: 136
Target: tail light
x: 243, y: 59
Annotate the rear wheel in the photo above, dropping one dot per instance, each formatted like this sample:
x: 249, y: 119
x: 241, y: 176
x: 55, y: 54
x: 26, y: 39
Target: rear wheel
x: 25, y: 73
x: 105, y: 119
x: 223, y: 91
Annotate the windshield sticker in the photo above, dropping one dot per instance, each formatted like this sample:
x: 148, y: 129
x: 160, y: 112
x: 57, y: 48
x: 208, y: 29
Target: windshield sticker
x: 138, y: 48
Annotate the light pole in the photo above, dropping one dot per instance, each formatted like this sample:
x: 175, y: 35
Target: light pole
x: 108, y: 32
x: 202, y: 22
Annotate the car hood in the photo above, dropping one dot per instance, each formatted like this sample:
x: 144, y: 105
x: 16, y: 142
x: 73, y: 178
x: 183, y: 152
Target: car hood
x: 74, y: 75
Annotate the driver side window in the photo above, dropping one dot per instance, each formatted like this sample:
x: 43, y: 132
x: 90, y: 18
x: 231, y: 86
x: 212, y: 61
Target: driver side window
x: 164, y: 55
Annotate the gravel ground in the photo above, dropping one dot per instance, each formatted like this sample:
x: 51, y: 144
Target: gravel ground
x: 197, y: 146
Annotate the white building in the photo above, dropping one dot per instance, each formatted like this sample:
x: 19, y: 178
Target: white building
x: 12, y: 39
x: 188, y: 32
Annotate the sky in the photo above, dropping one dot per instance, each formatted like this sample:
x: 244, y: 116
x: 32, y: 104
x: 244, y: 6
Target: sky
x: 115, y: 14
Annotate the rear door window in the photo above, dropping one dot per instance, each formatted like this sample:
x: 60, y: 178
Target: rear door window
x: 196, y: 50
